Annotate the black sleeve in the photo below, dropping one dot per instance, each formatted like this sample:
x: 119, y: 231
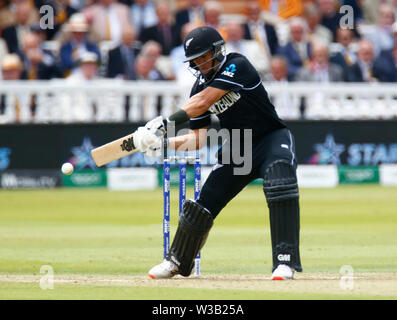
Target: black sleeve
x: 236, y: 74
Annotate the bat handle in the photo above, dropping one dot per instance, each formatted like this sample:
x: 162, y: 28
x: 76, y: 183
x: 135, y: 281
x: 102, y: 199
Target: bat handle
x: 165, y: 146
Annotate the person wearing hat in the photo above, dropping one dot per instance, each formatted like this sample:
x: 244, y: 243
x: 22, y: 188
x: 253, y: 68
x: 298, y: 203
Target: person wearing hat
x: 87, y: 67
x: 13, y: 107
x: 81, y: 105
x: 77, y: 44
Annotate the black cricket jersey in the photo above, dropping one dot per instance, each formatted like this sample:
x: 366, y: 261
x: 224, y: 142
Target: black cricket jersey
x: 245, y: 106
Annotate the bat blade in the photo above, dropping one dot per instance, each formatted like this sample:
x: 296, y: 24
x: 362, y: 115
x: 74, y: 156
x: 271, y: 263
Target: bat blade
x: 113, y: 150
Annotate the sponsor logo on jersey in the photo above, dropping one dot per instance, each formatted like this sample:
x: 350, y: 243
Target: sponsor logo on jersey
x: 230, y: 70
x: 225, y: 102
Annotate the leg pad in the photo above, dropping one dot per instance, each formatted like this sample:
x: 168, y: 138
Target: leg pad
x: 194, y: 225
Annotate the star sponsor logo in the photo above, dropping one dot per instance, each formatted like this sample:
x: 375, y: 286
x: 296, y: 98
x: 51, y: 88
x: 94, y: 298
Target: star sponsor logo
x: 328, y: 152
x: 82, y: 155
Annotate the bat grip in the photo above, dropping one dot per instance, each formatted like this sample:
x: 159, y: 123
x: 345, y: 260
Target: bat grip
x: 165, y: 146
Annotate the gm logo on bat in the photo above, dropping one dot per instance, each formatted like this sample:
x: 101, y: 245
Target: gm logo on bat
x: 127, y: 145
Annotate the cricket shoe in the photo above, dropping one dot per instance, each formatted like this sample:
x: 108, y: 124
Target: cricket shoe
x: 164, y: 270
x: 283, y: 272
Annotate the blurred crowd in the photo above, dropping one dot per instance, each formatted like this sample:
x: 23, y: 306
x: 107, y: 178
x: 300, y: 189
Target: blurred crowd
x: 286, y: 40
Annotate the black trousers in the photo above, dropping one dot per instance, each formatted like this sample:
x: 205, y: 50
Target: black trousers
x: 222, y: 185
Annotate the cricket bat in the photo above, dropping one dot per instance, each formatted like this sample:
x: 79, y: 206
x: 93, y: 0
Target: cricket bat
x: 113, y: 150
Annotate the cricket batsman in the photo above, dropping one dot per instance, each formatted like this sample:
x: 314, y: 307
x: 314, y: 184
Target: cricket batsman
x: 230, y: 87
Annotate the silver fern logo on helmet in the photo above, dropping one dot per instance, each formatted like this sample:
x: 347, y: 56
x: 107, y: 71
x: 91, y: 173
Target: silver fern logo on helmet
x: 188, y: 42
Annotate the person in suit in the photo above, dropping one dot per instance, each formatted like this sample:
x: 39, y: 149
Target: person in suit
x: 385, y: 65
x: 107, y: 19
x: 287, y: 105
x: 143, y: 14
x: 249, y: 48
x: 344, y: 53
x: 39, y: 64
x: 380, y: 34
x: 165, y: 33
x: 78, y: 43
x: 256, y: 29
x: 121, y: 60
x: 320, y: 69
x: 145, y: 68
x: 193, y: 13
x: 363, y: 70
x: 316, y: 31
x: 15, y: 34
x: 212, y: 13
x: 298, y: 50
x: 330, y: 16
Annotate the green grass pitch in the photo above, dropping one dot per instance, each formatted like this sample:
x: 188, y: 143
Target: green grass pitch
x: 101, y: 244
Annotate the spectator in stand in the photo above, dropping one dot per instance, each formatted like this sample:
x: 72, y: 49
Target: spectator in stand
x: 385, y: 65
x: 25, y: 17
x: 161, y: 63
x: 17, y: 106
x: 82, y: 106
x: 7, y: 18
x: 344, y: 53
x: 330, y: 15
x: 249, y: 48
x: 108, y: 19
x: 320, y: 69
x: 77, y: 44
x: 177, y: 56
x: 145, y: 68
x: 363, y: 70
x: 256, y: 29
x: 278, y: 70
x: 165, y: 33
x: 121, y: 60
x: 287, y: 105
x: 298, y: 50
x: 143, y: 14
x: 11, y: 67
x: 316, y: 31
x: 39, y: 64
x: 380, y: 34
x: 3, y: 51
x: 212, y: 12
x: 87, y: 69
x: 193, y: 13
